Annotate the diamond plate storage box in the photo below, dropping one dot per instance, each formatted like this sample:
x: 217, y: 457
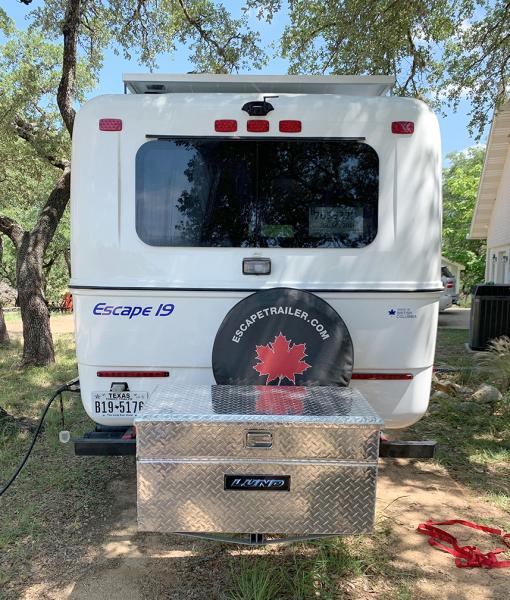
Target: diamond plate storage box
x: 266, y: 459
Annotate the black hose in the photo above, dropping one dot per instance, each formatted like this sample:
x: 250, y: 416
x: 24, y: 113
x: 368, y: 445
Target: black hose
x: 63, y: 388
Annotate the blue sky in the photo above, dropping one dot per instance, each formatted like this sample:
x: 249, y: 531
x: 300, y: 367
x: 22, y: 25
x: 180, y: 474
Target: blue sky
x: 455, y: 136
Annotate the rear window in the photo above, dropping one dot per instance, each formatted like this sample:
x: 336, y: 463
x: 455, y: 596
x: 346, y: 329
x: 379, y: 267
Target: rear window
x: 257, y: 193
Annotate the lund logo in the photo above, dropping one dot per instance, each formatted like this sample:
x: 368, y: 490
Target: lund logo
x: 271, y: 483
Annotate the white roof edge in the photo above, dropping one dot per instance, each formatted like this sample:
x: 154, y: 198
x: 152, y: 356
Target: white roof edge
x: 493, y: 169
x: 362, y: 85
x: 452, y: 262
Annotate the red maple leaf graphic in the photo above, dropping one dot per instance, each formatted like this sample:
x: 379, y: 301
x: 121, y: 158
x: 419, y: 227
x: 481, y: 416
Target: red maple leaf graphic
x: 279, y: 360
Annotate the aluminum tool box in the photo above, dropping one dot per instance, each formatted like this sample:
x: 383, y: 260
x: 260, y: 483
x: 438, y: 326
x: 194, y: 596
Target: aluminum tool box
x: 267, y: 459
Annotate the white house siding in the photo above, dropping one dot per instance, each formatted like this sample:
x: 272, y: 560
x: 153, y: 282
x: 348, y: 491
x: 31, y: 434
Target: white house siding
x: 498, y: 238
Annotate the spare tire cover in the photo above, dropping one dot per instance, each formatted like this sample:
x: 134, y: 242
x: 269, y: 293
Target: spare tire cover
x: 282, y: 336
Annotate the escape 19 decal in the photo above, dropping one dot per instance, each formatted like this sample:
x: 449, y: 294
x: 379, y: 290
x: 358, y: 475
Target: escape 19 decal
x: 101, y: 309
x: 282, y: 336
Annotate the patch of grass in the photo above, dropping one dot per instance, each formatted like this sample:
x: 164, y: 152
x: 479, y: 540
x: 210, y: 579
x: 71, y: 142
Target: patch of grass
x: 474, y: 447
x: 255, y: 578
x: 14, y: 315
x: 501, y: 500
x: 329, y: 569
x: 56, y: 491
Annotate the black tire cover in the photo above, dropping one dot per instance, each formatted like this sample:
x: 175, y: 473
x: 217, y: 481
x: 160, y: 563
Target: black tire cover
x: 282, y: 336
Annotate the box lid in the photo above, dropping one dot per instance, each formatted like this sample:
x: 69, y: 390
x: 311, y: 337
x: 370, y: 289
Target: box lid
x: 261, y: 404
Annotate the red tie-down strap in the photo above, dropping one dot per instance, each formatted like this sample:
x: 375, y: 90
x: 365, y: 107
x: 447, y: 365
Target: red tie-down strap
x: 466, y: 556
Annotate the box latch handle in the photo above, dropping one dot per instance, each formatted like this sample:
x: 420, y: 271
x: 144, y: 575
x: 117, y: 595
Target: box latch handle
x: 259, y: 439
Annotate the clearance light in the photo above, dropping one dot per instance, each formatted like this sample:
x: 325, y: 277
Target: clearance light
x: 110, y: 124
x: 257, y: 126
x: 225, y: 125
x: 402, y: 127
x: 290, y: 126
x: 133, y: 374
x: 383, y: 376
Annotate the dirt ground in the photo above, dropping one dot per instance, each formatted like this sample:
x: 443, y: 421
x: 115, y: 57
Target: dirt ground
x: 127, y: 565
x: 131, y: 566
x: 59, y: 324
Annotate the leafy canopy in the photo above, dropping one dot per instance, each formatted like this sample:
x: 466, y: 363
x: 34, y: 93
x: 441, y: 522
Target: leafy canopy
x: 439, y: 50
x: 216, y: 41
x: 460, y: 186
x: 34, y: 144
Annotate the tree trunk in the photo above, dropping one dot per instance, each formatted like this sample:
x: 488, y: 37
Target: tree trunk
x: 4, y: 335
x: 31, y: 245
x: 37, y: 340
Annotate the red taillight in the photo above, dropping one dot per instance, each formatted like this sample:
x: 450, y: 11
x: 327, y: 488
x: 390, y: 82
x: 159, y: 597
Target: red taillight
x: 383, y: 376
x: 110, y: 124
x: 133, y: 374
x: 402, y: 127
x: 449, y: 284
x: 290, y: 126
x: 257, y: 126
x: 225, y: 125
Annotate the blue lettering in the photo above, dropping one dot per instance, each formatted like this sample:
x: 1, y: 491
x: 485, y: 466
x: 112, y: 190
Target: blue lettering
x: 166, y: 309
x: 137, y: 310
x: 163, y: 310
x: 97, y: 308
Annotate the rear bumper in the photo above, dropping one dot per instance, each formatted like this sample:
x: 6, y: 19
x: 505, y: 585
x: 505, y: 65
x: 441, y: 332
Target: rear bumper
x: 105, y: 443
x: 111, y: 443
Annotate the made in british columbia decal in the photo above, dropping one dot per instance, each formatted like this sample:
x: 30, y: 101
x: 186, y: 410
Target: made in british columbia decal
x: 401, y: 313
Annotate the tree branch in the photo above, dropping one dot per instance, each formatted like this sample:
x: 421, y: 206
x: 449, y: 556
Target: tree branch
x: 65, y: 94
x: 204, y: 34
x: 52, y: 212
x: 26, y: 131
x: 12, y: 230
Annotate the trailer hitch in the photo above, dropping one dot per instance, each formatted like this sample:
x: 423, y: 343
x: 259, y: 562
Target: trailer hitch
x: 407, y: 449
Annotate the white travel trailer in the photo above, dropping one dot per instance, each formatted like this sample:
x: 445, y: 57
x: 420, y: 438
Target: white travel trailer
x: 192, y: 194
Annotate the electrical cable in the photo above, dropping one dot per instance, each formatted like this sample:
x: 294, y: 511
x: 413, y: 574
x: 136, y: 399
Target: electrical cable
x: 58, y: 392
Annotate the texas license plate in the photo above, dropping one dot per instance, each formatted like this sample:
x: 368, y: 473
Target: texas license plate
x: 118, y: 404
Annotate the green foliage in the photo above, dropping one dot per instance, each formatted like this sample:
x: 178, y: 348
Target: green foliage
x: 255, y: 579
x: 29, y: 77
x: 32, y: 136
x: 217, y: 42
x: 474, y: 447
x: 460, y: 186
x: 439, y: 50
x: 497, y: 361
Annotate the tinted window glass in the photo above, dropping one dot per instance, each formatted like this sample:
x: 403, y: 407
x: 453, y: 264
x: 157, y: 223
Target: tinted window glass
x: 256, y: 193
